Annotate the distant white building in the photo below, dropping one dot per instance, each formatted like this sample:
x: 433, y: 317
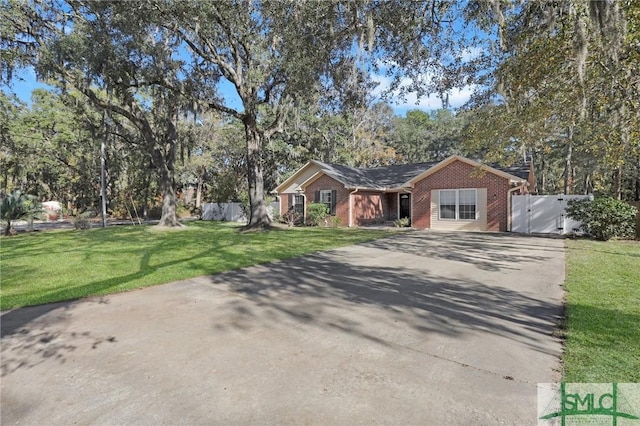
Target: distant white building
x: 52, y: 209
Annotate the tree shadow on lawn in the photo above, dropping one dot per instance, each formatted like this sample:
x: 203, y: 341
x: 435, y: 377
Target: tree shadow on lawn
x: 322, y: 291
x: 25, y: 339
x: 145, y: 268
x: 147, y: 253
x: 25, y: 332
x: 63, y: 242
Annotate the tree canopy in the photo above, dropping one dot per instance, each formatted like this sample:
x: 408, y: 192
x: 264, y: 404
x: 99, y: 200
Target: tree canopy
x: 208, y: 94
x: 564, y: 87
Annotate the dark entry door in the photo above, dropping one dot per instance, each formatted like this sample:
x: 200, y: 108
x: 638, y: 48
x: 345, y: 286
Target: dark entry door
x: 405, y: 205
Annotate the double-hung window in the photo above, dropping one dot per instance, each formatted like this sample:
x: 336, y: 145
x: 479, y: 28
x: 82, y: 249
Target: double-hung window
x: 298, y: 204
x: 458, y: 204
x: 467, y: 205
x: 448, y: 204
x: 326, y: 199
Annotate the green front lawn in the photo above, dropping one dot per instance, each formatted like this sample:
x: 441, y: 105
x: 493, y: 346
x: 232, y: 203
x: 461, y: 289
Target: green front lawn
x: 55, y: 266
x: 603, y: 309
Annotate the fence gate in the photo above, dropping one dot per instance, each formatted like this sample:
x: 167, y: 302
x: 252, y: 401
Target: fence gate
x: 543, y: 214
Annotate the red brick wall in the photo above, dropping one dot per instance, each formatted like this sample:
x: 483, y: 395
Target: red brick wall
x: 368, y: 207
x: 392, y: 206
x: 284, y: 203
x: 462, y: 175
x: 325, y: 182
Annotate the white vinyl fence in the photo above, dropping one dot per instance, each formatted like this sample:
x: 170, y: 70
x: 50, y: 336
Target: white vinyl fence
x: 543, y: 214
x: 232, y: 212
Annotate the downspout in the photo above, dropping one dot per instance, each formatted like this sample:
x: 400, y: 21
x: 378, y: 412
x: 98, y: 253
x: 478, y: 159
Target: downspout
x: 509, y: 203
x: 350, y: 207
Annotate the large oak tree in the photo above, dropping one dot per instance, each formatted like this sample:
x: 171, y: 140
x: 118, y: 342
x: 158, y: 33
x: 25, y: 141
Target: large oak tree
x: 281, y: 55
x: 153, y: 56
x: 122, y: 61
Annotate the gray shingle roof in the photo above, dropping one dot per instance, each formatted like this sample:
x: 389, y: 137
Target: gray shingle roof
x: 397, y: 175
x: 375, y: 177
x: 520, y: 169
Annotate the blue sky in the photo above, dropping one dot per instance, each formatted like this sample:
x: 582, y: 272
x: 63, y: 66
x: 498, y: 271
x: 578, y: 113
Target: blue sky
x: 25, y: 82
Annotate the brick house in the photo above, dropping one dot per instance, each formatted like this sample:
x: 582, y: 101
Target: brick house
x: 455, y: 194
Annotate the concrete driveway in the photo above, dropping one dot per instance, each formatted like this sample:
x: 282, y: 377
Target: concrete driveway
x: 421, y: 328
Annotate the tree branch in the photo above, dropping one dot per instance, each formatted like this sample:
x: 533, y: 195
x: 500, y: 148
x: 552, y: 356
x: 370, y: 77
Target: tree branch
x: 267, y: 91
x: 225, y: 109
x: 277, y: 126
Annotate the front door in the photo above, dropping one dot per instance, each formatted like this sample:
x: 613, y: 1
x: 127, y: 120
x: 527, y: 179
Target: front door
x: 405, y: 206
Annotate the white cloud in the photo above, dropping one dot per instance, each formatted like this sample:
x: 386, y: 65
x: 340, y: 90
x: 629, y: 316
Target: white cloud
x: 470, y: 54
x: 401, y: 104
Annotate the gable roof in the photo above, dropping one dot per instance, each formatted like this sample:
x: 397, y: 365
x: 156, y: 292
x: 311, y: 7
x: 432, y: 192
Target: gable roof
x: 451, y: 159
x: 388, y: 177
x: 291, y: 179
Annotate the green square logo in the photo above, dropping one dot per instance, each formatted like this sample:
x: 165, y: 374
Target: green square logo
x: 588, y: 404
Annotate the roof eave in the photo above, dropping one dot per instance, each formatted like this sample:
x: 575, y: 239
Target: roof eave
x: 364, y: 188
x: 401, y: 188
x: 286, y: 182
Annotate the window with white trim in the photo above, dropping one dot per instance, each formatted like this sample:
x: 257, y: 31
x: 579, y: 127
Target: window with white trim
x: 458, y: 204
x: 325, y: 198
x: 467, y: 205
x: 298, y: 204
x: 447, y: 204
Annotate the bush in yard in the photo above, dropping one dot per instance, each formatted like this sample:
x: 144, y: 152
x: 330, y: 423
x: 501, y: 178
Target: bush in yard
x: 18, y: 206
x: 291, y: 218
x: 604, y: 218
x: 82, y: 221
x: 182, y: 211
x: 402, y: 223
x: 316, y: 213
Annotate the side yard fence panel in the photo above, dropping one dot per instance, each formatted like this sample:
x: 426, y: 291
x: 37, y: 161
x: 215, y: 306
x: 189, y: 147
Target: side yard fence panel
x: 543, y: 214
x: 233, y: 212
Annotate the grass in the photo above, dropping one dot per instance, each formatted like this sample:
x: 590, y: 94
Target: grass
x: 603, y: 310
x: 49, y: 267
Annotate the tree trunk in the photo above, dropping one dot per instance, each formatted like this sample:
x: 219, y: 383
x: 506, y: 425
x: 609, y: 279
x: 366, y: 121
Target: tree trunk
x: 169, y: 217
x: 164, y: 160
x: 587, y: 184
x: 145, y: 214
x: 567, y: 164
x: 542, y: 184
x: 258, y: 218
x: 637, y: 197
x: 618, y: 183
x: 199, y: 188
